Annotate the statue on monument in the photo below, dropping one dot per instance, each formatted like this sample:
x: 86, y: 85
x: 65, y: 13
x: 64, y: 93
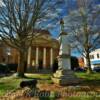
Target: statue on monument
x: 64, y: 52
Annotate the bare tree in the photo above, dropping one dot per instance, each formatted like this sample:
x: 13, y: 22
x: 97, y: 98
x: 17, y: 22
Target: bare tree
x: 18, y: 19
x: 84, y: 27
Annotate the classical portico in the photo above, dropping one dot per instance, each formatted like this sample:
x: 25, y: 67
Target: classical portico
x: 43, y: 52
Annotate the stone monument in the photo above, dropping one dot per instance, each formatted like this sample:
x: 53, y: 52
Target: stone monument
x: 64, y: 75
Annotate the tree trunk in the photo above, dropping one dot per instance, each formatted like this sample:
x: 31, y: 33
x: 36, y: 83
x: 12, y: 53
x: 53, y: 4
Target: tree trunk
x: 89, y: 70
x: 21, y: 65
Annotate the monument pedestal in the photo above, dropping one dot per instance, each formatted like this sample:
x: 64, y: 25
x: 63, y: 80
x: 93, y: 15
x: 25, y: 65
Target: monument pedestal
x: 65, y: 77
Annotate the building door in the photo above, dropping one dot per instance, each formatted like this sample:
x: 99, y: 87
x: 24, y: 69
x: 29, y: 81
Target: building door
x: 40, y: 64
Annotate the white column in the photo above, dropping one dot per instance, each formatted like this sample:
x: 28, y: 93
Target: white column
x: 37, y: 56
x: 29, y: 57
x: 51, y: 57
x: 44, y: 57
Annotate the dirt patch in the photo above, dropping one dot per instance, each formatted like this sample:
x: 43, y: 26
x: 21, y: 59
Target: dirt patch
x: 63, y: 91
x: 19, y: 94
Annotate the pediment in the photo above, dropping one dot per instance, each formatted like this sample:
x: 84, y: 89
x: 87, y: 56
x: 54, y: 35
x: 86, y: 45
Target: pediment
x: 43, y: 38
x: 46, y: 41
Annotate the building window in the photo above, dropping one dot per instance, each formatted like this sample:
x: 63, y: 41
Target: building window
x: 91, y: 56
x: 97, y: 55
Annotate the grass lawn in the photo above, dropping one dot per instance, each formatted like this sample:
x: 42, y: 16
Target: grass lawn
x: 93, y: 76
x: 89, y: 79
x: 83, y: 98
x: 11, y: 83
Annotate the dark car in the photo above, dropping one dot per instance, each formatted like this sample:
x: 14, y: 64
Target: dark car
x: 4, y: 68
x: 96, y: 69
x: 79, y: 69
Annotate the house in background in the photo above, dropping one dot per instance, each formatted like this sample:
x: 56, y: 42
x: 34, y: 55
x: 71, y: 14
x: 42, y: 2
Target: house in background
x: 95, y: 58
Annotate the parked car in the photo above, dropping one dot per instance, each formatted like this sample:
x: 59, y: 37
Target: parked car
x: 4, y: 68
x: 96, y: 69
x: 79, y: 69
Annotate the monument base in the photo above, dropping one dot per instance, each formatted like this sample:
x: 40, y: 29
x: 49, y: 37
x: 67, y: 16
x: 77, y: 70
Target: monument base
x: 65, y: 77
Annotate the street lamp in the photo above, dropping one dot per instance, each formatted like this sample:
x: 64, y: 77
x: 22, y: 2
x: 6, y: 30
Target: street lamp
x: 8, y: 53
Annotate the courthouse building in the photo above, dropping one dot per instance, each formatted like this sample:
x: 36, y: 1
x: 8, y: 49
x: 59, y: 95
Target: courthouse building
x: 42, y: 53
